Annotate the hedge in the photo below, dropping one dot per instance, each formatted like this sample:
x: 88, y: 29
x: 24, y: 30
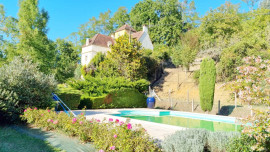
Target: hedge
x: 123, y: 98
x: 69, y: 96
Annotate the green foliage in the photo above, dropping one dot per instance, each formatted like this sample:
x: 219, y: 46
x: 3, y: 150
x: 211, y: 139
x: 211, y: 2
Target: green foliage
x: 219, y: 141
x: 207, y: 84
x: 33, y: 40
x: 196, y: 76
x: 8, y: 104
x: 97, y: 59
x: 186, y: 53
x: 125, y: 60
x: 258, y: 130
x: 126, y: 98
x: 240, y: 144
x: 66, y: 62
x: 194, y: 140
x: 77, y: 72
x: 106, y: 135
x: 96, y: 86
x: 85, y: 102
x: 33, y: 88
x: 120, y: 17
x: 219, y: 25
x: 69, y: 96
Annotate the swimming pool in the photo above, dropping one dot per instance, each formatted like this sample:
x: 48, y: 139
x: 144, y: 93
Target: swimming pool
x: 184, y: 119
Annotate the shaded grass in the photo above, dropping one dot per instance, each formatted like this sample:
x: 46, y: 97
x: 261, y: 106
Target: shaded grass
x: 14, y: 141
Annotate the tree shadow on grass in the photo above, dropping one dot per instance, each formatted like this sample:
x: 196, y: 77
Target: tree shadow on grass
x: 56, y: 139
x: 227, y: 110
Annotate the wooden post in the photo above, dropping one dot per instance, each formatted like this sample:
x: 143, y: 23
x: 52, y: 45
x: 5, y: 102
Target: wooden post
x: 218, y: 107
x: 170, y: 97
x: 192, y: 105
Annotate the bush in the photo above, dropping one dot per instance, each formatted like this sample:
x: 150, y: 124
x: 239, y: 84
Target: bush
x: 8, y: 104
x: 85, y: 102
x: 195, y: 140
x: 123, y: 98
x: 196, y: 76
x: 207, y: 84
x: 126, y: 98
x: 218, y: 141
x: 101, y: 86
x: 191, y: 140
x: 69, y: 96
x: 32, y: 87
x: 240, y: 144
x: 106, y: 135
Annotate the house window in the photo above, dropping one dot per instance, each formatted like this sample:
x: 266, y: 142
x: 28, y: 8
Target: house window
x: 86, y: 59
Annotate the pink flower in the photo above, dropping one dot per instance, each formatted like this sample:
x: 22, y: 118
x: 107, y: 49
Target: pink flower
x: 101, y: 150
x: 49, y: 110
x: 81, y: 113
x: 112, y: 148
x: 90, y: 121
x: 98, y: 120
x: 115, y: 136
x: 129, y: 126
x: 35, y: 108
x: 117, y: 120
x: 25, y: 110
x: 55, y: 122
x: 110, y: 119
x: 42, y: 114
x: 81, y: 122
x: 73, y: 122
x: 49, y: 120
x: 121, y: 123
x: 30, y: 109
x: 74, y: 119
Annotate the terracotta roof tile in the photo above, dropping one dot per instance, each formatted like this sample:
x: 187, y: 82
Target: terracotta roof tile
x: 137, y: 35
x: 100, y: 40
x: 125, y: 27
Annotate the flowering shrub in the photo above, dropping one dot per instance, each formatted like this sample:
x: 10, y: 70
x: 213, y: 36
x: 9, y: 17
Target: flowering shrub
x: 258, y: 129
x: 253, y: 81
x: 252, y: 85
x: 111, y: 135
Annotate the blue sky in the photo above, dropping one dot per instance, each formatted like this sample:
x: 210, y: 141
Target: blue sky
x: 67, y: 15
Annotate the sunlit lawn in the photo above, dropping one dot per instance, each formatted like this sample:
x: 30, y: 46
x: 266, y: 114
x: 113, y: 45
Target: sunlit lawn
x: 14, y: 141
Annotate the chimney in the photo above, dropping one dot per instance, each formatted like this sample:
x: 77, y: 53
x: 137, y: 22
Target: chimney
x: 87, y: 41
x: 145, y: 29
x: 112, y: 35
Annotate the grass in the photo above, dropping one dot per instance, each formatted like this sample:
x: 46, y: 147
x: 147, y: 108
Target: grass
x: 14, y: 141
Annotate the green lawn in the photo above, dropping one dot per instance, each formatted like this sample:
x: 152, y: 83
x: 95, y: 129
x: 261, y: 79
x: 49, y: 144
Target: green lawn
x: 13, y: 141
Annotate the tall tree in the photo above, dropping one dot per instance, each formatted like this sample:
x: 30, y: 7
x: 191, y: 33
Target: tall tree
x: 143, y: 13
x: 32, y: 38
x: 67, y: 59
x: 124, y: 59
x: 8, y: 36
x: 120, y: 17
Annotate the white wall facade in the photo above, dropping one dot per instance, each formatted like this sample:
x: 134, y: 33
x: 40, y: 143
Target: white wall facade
x: 146, y: 41
x: 89, y: 52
